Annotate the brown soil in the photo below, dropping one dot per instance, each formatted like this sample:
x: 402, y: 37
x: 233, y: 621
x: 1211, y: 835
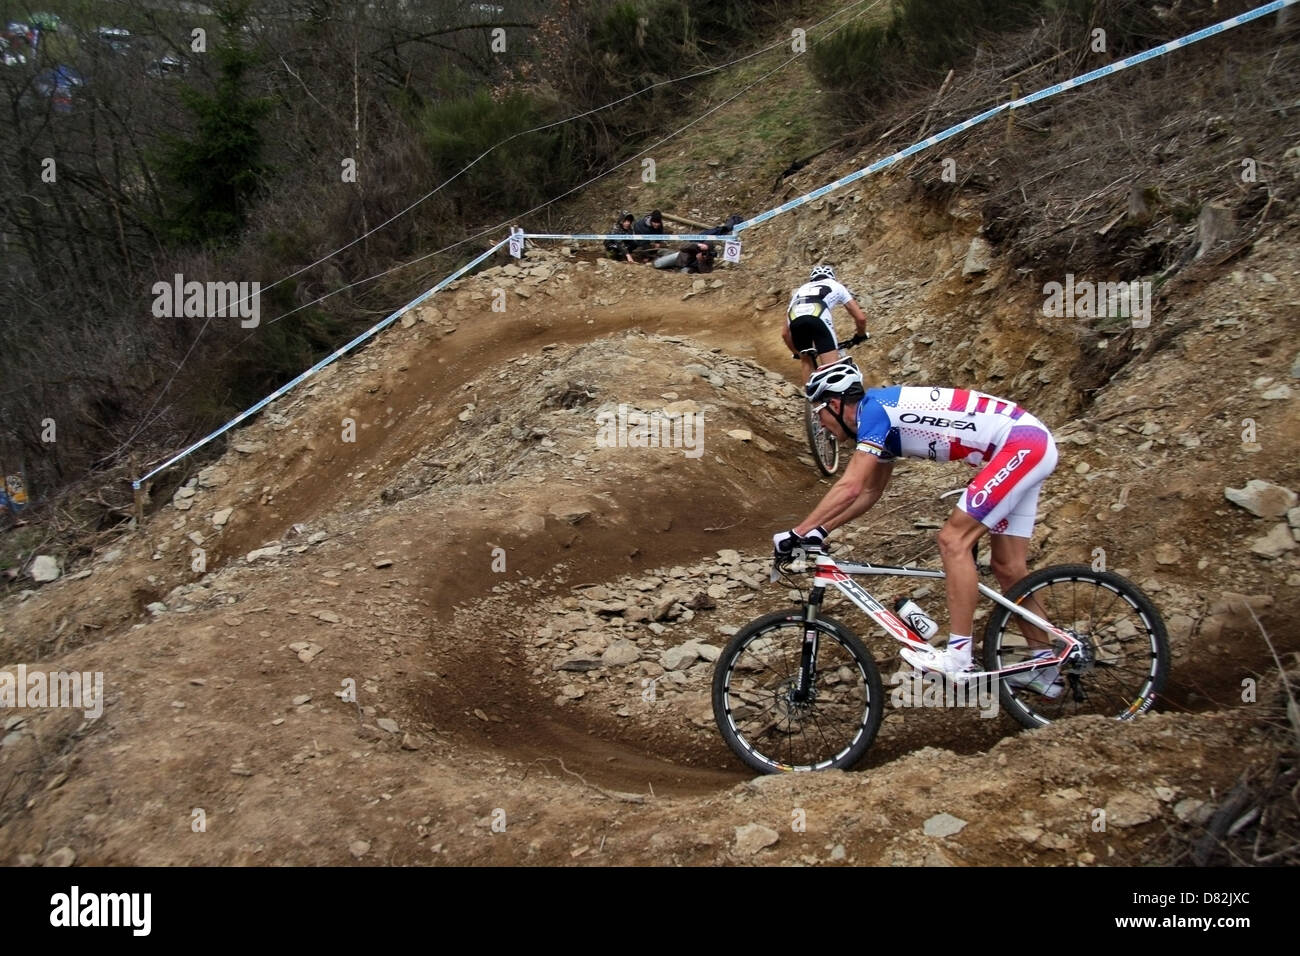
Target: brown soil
x: 476, y: 430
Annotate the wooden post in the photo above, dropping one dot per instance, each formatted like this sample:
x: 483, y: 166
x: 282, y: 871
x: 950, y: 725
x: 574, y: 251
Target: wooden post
x: 1213, y: 225
x: 935, y: 105
x: 1011, y: 114
x: 683, y: 221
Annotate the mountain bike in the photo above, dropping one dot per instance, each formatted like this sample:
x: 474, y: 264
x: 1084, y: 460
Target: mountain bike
x: 796, y: 690
x: 824, y: 446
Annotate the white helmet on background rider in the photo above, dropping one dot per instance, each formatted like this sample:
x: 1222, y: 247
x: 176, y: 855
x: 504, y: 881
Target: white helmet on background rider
x: 822, y: 271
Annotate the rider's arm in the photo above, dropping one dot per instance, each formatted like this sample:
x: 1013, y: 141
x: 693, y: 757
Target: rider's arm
x: 787, y: 337
x: 855, y: 312
x: 861, y: 486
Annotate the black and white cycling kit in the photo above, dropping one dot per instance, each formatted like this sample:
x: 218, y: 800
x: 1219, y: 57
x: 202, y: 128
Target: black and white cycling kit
x: 809, y: 314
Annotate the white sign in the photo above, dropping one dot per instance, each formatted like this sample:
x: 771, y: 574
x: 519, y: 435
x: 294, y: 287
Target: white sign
x: 731, y: 251
x: 517, y: 243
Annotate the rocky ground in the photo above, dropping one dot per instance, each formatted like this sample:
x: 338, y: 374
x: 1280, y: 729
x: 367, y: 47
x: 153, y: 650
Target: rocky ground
x: 418, y: 612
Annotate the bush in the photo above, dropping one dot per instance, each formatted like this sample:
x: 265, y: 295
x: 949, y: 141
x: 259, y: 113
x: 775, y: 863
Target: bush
x: 523, y: 173
x: 644, y: 40
x: 862, y: 63
x: 852, y: 63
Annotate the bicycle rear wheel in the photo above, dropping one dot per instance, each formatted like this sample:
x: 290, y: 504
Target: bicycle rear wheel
x: 1124, y: 662
x: 753, y: 684
x: 825, y: 448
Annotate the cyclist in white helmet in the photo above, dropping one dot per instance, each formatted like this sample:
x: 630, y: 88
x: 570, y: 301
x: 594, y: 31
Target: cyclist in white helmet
x: 809, y: 323
x: 1014, y: 452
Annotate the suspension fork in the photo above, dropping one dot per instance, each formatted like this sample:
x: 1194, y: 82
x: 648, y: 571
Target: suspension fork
x: 808, y: 651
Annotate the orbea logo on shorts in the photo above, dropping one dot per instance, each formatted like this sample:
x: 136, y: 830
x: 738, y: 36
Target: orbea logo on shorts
x: 633, y: 428
x: 1003, y: 473
x: 1098, y: 300
x: 73, y: 689
x: 208, y: 300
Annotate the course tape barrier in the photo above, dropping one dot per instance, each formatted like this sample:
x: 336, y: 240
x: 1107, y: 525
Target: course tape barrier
x: 1042, y: 94
x: 327, y: 360
x: 634, y: 236
x: 1053, y: 90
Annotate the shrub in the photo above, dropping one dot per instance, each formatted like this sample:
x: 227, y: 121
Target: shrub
x: 458, y: 130
x: 852, y: 63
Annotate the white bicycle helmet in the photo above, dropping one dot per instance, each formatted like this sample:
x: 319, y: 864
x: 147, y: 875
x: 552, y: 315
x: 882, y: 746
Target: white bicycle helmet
x: 821, y: 272
x: 840, y: 379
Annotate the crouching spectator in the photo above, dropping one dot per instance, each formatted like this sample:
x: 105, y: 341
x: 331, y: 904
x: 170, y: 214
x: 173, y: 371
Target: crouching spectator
x: 691, y: 257
x: 726, y: 229
x: 650, y: 225
x: 622, y: 248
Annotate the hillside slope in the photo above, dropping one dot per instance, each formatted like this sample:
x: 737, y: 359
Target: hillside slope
x: 434, y: 524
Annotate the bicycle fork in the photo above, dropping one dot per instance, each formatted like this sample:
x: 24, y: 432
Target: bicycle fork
x: 802, y: 689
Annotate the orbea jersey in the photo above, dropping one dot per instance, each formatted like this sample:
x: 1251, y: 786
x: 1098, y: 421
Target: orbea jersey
x: 817, y: 298
x: 941, y: 424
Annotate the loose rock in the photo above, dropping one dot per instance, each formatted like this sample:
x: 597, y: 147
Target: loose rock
x: 44, y: 568
x: 63, y: 856
x: 619, y: 653
x: 681, y: 657
x: 1276, y: 543
x: 753, y: 837
x: 1262, y: 498
x: 1128, y: 809
x: 943, y: 825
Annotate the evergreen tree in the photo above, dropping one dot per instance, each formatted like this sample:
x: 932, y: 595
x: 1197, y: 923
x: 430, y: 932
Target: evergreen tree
x: 216, y: 173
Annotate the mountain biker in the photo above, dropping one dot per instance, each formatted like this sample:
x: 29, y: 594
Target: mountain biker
x: 808, y: 318
x: 1015, y: 453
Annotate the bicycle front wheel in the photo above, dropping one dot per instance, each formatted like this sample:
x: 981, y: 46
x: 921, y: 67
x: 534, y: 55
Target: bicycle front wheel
x: 1124, y: 661
x: 825, y: 449
x: 755, y: 689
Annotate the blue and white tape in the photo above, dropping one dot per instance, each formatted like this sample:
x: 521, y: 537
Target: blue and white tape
x: 1053, y: 90
x: 327, y: 360
x: 630, y: 236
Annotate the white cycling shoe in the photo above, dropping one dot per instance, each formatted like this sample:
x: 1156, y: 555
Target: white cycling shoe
x: 952, y: 665
x: 1046, y: 680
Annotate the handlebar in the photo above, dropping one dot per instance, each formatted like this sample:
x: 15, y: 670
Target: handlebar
x: 857, y: 339
x: 797, y: 563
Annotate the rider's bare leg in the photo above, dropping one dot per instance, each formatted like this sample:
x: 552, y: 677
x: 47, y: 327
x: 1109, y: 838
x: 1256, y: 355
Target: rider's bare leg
x: 962, y: 579
x: 1010, y: 566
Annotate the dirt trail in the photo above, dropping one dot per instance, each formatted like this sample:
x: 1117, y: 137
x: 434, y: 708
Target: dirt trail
x: 456, y: 563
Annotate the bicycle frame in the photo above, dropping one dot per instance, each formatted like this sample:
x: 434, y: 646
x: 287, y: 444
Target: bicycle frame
x: 830, y: 573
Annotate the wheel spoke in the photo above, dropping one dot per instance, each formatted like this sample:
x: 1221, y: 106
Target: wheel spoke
x: 760, y: 678
x: 1125, y: 648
